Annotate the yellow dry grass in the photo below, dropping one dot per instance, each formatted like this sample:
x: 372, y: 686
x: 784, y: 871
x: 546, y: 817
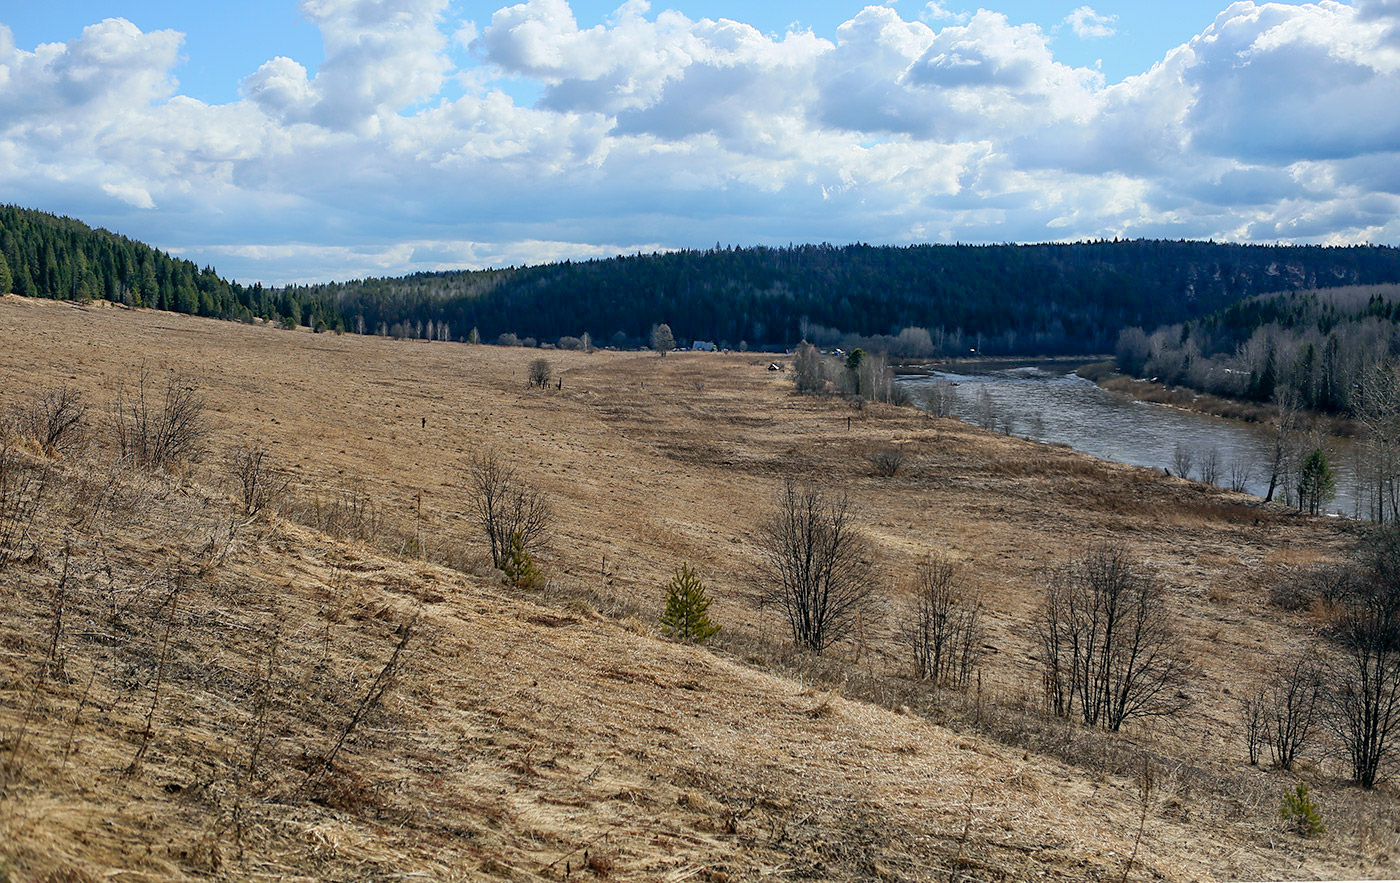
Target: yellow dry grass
x: 556, y: 735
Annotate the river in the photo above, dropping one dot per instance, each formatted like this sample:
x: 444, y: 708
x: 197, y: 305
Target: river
x: 1044, y: 402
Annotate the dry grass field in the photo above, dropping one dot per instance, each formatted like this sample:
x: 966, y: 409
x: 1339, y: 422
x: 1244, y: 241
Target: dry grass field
x: 349, y: 692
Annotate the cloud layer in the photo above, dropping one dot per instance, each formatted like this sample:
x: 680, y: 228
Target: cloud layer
x: 404, y: 149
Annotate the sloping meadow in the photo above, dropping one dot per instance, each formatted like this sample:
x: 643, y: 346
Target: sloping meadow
x: 335, y: 684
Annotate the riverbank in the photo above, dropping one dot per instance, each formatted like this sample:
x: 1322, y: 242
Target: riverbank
x: 1107, y: 376
x: 982, y: 364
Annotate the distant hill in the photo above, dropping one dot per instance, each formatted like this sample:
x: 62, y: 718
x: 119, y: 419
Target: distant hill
x: 1068, y: 298
x: 999, y: 298
x: 45, y: 255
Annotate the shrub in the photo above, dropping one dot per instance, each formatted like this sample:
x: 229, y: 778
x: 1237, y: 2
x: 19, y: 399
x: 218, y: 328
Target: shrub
x: 53, y: 418
x: 540, y: 372
x: 887, y: 461
x: 1300, y: 814
x: 257, y: 486
x: 686, y: 602
x: 159, y: 428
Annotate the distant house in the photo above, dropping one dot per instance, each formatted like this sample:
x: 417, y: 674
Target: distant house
x: 703, y: 346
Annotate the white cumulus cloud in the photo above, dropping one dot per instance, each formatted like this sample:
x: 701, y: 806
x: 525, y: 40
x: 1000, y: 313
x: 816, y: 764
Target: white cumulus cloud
x: 1090, y: 25
x: 404, y: 149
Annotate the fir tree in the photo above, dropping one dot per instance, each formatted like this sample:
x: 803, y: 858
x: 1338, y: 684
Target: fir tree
x: 1316, y: 486
x: 518, y: 567
x: 686, y: 603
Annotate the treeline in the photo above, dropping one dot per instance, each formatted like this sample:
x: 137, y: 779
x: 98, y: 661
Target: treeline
x: 1313, y: 348
x: 44, y: 255
x: 1334, y: 351
x: 911, y: 302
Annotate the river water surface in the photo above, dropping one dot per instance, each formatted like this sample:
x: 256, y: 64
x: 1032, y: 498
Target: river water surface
x: 1047, y: 404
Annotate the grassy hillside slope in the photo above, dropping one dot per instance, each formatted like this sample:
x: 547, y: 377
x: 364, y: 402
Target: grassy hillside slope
x: 554, y: 734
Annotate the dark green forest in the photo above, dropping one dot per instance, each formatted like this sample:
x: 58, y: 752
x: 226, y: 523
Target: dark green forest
x: 1049, y: 298
x: 44, y: 255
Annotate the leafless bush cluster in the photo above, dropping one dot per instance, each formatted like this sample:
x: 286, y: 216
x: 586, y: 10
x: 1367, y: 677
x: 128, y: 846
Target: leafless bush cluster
x: 1326, y: 583
x: 22, y: 489
x: 506, y: 505
x: 887, y: 461
x: 158, y: 426
x: 1110, y: 652
x: 1284, y: 711
x: 944, y: 627
x: 53, y: 419
x: 349, y: 512
x: 816, y: 566
x: 1356, y: 694
x: 257, y: 485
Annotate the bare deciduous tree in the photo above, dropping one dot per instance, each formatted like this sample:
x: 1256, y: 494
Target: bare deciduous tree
x: 944, y: 627
x: 817, y: 566
x: 1281, y: 450
x: 942, y: 398
x: 1239, y: 474
x: 1365, y: 680
x: 1210, y: 467
x: 540, y: 372
x: 1293, y: 695
x: 986, y: 409
x: 1377, y: 406
x: 507, y: 506
x: 1110, y: 652
x: 662, y: 340
x: 807, y: 374
x: 1182, y: 460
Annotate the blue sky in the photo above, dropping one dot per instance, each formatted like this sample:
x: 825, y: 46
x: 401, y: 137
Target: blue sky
x: 297, y: 141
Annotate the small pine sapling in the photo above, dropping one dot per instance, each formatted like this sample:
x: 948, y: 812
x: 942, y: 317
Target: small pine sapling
x: 686, y: 603
x: 518, y: 567
x: 1300, y: 814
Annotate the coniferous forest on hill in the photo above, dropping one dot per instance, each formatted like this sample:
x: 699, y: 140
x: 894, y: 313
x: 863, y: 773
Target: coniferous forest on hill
x: 1011, y: 299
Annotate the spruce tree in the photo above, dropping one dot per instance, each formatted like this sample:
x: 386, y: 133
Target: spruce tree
x: 1316, y: 486
x: 6, y: 280
x: 686, y: 603
x: 518, y: 567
